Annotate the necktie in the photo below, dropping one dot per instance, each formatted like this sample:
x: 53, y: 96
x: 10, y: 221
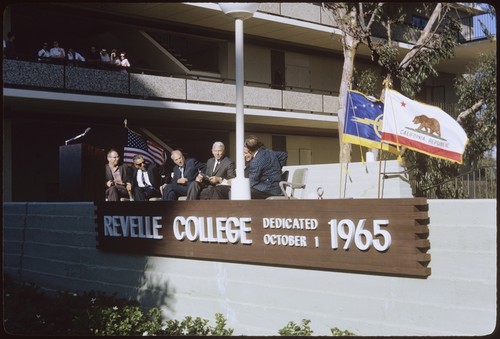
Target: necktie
x: 182, y: 172
x: 143, y: 178
x: 215, y: 165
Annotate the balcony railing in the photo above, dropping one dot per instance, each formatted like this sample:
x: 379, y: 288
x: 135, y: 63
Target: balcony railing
x: 476, y: 184
x: 478, y: 27
x: 132, y: 83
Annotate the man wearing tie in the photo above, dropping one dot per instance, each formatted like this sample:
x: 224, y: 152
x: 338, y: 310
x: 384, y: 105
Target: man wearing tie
x: 146, y: 180
x: 184, y: 173
x: 219, y: 168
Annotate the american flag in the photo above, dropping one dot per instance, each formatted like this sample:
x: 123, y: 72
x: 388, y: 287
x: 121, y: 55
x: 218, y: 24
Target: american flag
x: 136, y: 144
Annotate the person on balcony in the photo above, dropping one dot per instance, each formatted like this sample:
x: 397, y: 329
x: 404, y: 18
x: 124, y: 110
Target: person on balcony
x: 104, y: 56
x: 219, y: 169
x: 184, y: 173
x: 123, y: 60
x: 57, y: 53
x: 114, y: 58
x: 44, y: 53
x: 93, y: 57
x: 74, y: 57
x: 9, y: 47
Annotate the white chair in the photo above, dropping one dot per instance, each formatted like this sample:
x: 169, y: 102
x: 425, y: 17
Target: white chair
x: 162, y: 187
x: 288, y: 187
x: 130, y: 197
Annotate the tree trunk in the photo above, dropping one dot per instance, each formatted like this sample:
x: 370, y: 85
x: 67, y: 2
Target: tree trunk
x: 350, y: 46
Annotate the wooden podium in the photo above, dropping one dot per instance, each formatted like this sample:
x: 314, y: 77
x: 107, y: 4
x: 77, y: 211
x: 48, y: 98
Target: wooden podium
x: 81, y: 173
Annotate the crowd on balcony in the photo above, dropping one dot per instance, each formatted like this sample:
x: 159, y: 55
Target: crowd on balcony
x: 94, y: 58
x: 57, y: 54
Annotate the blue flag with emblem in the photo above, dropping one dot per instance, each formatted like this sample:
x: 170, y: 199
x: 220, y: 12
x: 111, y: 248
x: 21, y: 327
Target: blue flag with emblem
x: 363, y: 123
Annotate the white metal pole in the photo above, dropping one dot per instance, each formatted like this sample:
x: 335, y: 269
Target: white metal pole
x: 240, y: 188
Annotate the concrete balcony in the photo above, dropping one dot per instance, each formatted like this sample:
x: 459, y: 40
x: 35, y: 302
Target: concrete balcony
x: 119, y: 82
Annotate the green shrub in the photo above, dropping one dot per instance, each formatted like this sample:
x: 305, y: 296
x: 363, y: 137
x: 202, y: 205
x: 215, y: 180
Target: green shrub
x: 28, y: 311
x: 198, y: 326
x: 292, y: 329
x: 341, y: 333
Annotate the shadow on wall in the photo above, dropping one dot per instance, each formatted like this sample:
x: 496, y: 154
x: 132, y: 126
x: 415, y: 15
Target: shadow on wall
x: 154, y: 292
x: 56, y: 250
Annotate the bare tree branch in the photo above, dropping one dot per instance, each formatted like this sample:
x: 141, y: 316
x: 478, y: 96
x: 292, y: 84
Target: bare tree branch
x: 473, y: 109
x: 374, y: 15
x: 429, y: 29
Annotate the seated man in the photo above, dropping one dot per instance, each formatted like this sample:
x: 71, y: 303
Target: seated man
x: 219, y: 191
x: 219, y: 168
x: 118, y: 184
x: 146, y: 180
x: 184, y: 173
x: 264, y: 169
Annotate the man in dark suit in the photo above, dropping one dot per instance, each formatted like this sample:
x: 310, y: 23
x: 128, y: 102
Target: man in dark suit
x: 184, y: 173
x: 219, y: 168
x: 146, y: 179
x: 264, y: 169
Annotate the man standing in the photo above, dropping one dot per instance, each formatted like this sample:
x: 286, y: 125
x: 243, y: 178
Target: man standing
x: 44, y: 53
x: 118, y: 183
x: 219, y: 168
x: 74, y: 57
x: 146, y: 180
x: 9, y: 47
x: 57, y: 52
x: 184, y: 173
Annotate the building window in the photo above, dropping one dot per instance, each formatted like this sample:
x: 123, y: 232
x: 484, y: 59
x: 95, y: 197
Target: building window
x: 419, y: 22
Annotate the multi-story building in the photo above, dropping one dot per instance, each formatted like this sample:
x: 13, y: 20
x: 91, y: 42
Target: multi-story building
x: 180, y: 88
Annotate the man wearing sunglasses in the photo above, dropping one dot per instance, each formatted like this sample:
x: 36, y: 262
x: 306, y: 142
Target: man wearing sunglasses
x: 146, y: 180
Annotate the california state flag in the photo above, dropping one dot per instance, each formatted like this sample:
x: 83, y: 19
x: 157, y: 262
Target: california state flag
x: 422, y: 128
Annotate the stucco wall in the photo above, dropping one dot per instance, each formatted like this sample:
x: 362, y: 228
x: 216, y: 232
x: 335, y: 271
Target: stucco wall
x: 53, y: 245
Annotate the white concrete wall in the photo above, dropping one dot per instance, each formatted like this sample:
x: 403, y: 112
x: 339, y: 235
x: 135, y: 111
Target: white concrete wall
x: 355, y: 180
x: 53, y: 245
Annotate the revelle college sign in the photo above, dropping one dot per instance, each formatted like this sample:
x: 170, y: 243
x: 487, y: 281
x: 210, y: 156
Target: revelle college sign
x: 376, y: 236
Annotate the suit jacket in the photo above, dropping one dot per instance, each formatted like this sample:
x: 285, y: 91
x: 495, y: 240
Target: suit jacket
x: 265, y: 170
x: 153, y: 173
x: 191, y: 168
x: 124, y: 173
x: 225, y: 170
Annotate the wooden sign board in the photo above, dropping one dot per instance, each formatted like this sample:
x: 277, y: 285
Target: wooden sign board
x: 374, y: 236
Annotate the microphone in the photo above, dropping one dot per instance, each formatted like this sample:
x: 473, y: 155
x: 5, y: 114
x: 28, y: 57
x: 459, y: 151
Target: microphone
x: 78, y: 136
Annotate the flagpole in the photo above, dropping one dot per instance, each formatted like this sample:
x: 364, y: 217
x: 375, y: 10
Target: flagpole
x: 379, y: 172
x: 341, y: 177
x: 341, y: 143
x: 387, y: 83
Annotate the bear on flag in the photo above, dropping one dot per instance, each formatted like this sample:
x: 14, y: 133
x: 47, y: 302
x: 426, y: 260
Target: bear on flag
x: 422, y: 128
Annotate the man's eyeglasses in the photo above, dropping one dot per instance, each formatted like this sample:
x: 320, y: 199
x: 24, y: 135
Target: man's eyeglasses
x: 139, y: 164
